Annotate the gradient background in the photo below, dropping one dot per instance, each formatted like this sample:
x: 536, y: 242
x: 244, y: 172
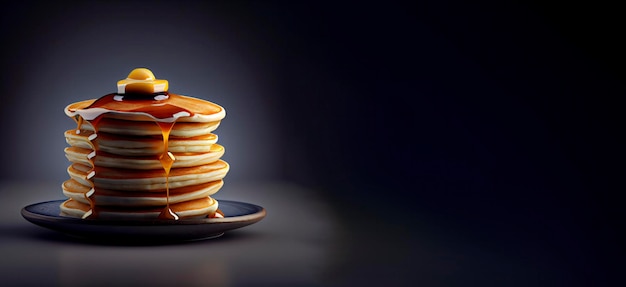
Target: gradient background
x: 494, y: 127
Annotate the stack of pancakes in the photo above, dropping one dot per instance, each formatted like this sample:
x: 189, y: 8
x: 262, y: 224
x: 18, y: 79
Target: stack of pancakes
x: 116, y: 171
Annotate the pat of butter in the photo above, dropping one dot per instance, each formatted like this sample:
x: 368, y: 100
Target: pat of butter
x: 141, y: 81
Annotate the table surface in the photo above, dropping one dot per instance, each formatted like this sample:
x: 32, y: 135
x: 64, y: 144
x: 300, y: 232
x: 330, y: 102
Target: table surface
x: 305, y: 240
x: 292, y: 245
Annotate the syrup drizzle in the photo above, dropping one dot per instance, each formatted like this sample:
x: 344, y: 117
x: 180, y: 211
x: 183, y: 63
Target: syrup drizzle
x: 155, y: 106
x: 167, y: 160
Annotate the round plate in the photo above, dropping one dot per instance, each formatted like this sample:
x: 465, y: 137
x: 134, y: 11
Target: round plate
x: 236, y: 215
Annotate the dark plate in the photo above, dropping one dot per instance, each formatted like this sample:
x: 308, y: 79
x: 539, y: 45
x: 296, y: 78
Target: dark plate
x: 237, y: 215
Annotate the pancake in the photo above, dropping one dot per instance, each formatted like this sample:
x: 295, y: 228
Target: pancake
x: 147, y: 180
x: 75, y: 190
x: 140, y: 146
x: 149, y: 128
x: 104, y: 159
x: 147, y: 154
x: 203, y: 111
x: 203, y: 207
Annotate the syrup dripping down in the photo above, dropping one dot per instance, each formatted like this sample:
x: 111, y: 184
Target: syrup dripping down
x: 167, y: 160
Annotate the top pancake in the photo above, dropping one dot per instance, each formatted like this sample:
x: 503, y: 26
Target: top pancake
x: 115, y: 106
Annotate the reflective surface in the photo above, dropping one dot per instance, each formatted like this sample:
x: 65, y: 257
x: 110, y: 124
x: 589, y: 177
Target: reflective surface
x: 292, y: 245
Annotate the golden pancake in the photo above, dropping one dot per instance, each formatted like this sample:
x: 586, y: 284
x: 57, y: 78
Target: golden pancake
x: 139, y: 146
x: 203, y: 111
x: 203, y: 207
x: 75, y: 190
x: 150, y: 128
x: 147, y: 180
x: 84, y: 156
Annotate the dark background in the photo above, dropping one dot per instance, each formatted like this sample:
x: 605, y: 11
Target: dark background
x: 494, y: 126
